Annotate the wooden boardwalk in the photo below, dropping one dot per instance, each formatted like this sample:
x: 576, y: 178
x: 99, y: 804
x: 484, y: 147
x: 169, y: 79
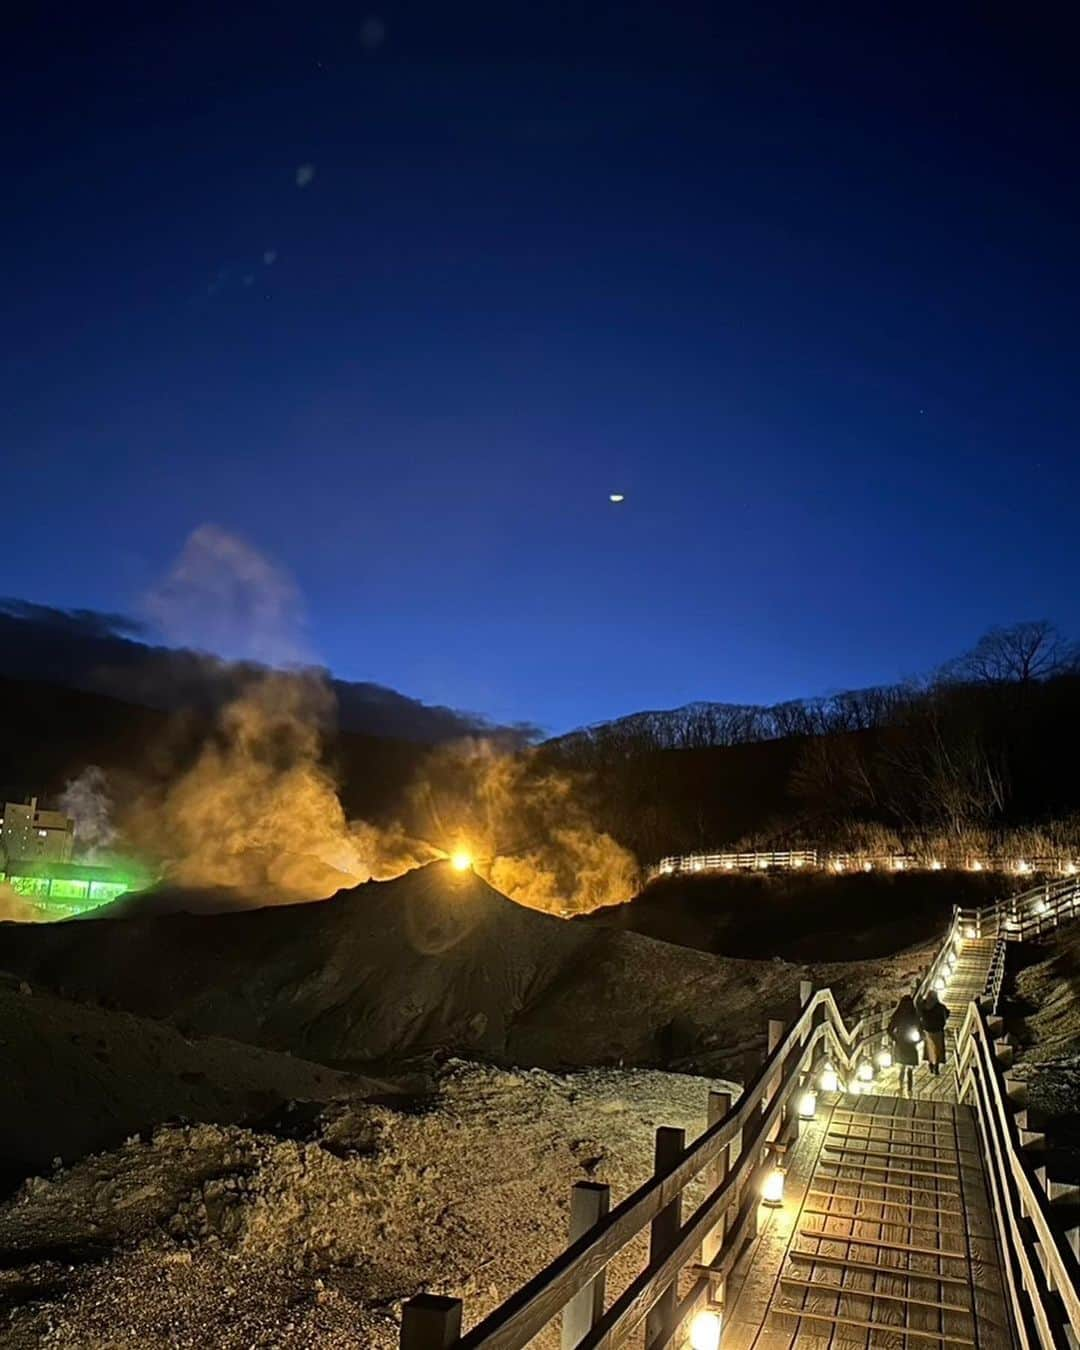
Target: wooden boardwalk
x: 966, y: 983
x: 885, y: 1238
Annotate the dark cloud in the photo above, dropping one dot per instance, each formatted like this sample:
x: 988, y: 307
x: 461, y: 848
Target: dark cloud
x: 89, y: 623
x: 99, y: 652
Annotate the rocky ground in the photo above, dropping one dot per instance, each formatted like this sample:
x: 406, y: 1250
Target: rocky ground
x: 311, y: 1233
x: 208, y: 1167
x: 1048, y: 1025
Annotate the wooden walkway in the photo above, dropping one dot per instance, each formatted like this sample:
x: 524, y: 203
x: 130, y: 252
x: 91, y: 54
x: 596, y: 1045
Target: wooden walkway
x: 885, y: 1238
x: 966, y: 983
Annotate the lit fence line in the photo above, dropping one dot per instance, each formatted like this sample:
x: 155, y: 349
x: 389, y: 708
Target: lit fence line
x: 740, y: 1155
x: 681, y: 864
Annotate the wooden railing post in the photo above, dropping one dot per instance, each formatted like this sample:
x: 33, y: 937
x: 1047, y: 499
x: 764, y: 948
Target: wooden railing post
x: 775, y: 1036
x: 589, y: 1202
x: 664, y: 1234
x: 719, y: 1106
x: 430, y: 1322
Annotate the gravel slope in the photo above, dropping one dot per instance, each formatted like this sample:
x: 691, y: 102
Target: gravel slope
x: 312, y: 1235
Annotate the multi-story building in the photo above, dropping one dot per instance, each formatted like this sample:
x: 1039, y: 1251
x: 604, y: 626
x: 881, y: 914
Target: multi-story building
x: 30, y: 833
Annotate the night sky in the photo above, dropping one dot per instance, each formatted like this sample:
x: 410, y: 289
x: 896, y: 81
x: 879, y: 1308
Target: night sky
x: 400, y: 297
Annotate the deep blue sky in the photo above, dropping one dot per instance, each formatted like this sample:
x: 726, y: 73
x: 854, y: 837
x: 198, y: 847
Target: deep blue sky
x: 802, y: 283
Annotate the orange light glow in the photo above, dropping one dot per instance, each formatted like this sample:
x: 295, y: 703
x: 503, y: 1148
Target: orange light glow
x: 461, y: 860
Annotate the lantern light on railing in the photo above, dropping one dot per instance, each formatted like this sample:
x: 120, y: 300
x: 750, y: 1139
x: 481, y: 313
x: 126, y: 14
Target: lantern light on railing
x: 865, y: 1072
x: 1022, y: 867
x: 808, y: 1105
x: 1041, y: 906
x: 772, y: 1188
x: 828, y: 1082
x: 939, y: 984
x: 705, y: 1329
x: 975, y: 865
x: 935, y: 865
x: 969, y: 932
x: 884, y: 1058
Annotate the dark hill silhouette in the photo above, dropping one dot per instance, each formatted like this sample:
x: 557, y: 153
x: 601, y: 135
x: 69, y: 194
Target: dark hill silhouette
x: 435, y: 960
x: 106, y: 654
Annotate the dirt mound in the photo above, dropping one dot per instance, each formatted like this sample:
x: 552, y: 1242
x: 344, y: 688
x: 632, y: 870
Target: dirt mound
x: 228, y: 1237
x: 1046, y: 1020
x: 801, y: 916
x: 435, y: 960
x: 82, y: 1078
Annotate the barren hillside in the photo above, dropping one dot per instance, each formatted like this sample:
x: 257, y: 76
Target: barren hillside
x: 433, y: 961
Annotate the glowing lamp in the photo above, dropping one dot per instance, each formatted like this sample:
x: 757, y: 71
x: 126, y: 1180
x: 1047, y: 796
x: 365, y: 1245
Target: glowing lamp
x: 969, y: 932
x: 461, y: 860
x: 939, y: 984
x: 975, y: 865
x: 1022, y: 867
x: 868, y: 867
x: 1040, y: 906
x: 884, y: 1058
x: 935, y: 865
x: 914, y: 1036
x: 1070, y: 869
x: 828, y: 1081
x: 808, y: 1105
x: 865, y: 1072
x: 616, y: 497
x: 772, y: 1188
x: 705, y: 1330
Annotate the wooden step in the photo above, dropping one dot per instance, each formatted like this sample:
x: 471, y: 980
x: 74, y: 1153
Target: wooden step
x: 887, y: 1328
x: 882, y: 1246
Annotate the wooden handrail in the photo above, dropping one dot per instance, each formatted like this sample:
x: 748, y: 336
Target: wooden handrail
x: 525, y: 1313
x: 755, y: 1119
x: 1020, y: 1203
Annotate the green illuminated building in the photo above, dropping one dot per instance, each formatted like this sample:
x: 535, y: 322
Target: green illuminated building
x: 61, y: 889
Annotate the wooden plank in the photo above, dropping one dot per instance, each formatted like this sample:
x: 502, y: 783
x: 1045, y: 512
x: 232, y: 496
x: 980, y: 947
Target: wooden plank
x: 885, y: 1327
x: 886, y: 1246
x: 874, y: 1294
x: 795, y: 1254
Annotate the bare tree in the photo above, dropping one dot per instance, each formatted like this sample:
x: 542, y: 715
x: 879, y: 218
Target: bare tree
x: 1033, y: 650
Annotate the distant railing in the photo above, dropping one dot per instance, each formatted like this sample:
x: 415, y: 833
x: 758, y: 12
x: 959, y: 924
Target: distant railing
x: 683, y: 864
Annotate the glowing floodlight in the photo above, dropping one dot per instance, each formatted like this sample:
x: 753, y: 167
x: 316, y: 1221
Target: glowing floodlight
x: 828, y: 1081
x: 1022, y: 867
x: 868, y: 867
x: 969, y: 932
x: 461, y: 860
x: 975, y: 865
x: 772, y: 1188
x: 865, y: 1072
x: 884, y: 1058
x: 808, y: 1105
x: 935, y: 865
x: 1041, y: 907
x: 1070, y: 869
x: 705, y: 1329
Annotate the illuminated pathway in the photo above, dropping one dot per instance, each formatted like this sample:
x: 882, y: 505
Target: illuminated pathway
x: 885, y: 1237
x: 827, y: 1220
x: 967, y: 982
